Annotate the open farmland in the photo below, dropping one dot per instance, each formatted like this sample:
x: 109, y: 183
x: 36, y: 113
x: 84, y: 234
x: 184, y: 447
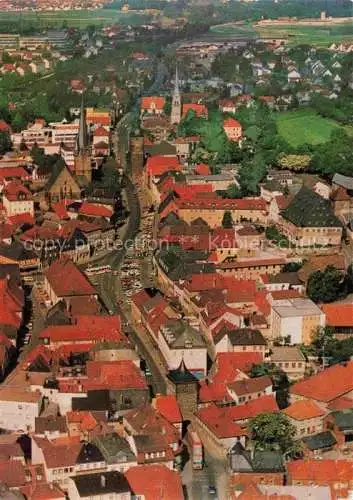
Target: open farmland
x: 304, y: 126
x: 75, y: 18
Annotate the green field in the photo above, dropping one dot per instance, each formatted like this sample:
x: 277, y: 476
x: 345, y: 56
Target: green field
x: 313, y: 35
x: 304, y: 126
x: 74, y: 18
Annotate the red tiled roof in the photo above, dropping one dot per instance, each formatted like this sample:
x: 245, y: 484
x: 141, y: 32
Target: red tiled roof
x: 43, y: 491
x: 4, y: 127
x: 220, y: 422
x: 93, y: 210
x: 168, y: 407
x: 155, y: 481
x: 61, y: 452
x: 199, y: 109
x: 114, y: 375
x: 321, y: 471
x: 11, y: 306
x: 13, y: 173
x: 13, y: 189
x: 12, y: 472
x: 338, y: 314
x: 264, y: 404
x: 224, y: 204
x: 231, y: 123
x: 285, y: 294
x: 202, y: 169
x: 303, y: 409
x: 60, y: 209
x: 283, y: 201
x: 341, y: 403
x: 22, y: 219
x: 158, y: 165
x: 153, y: 102
x: 327, y: 385
x: 101, y: 132
x: 86, y: 329
x: 67, y: 280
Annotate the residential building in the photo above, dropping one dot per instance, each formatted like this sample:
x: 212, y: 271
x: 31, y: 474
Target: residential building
x: 290, y: 360
x: 306, y: 416
x: 19, y: 409
x: 17, y: 199
x: 232, y: 129
x: 297, y: 318
x: 111, y: 485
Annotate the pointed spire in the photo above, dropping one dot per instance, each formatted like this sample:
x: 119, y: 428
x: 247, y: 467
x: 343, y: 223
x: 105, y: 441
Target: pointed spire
x: 82, y: 138
x: 176, y: 82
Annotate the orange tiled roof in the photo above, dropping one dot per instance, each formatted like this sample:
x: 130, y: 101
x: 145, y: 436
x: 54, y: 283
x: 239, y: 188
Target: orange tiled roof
x: 327, y: 385
x: 339, y: 314
x: 153, y: 102
x: 155, y: 481
x: 303, y: 409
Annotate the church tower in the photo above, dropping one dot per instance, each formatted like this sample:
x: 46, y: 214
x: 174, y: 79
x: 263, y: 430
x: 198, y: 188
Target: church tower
x: 82, y: 165
x: 176, y: 102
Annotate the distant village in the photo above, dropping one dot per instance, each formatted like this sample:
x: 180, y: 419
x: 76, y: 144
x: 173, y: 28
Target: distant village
x: 155, y: 304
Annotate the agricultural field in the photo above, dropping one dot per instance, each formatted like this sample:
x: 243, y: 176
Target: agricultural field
x: 304, y: 126
x: 74, y: 18
x: 313, y: 35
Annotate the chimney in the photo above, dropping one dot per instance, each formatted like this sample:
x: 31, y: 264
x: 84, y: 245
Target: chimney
x: 103, y: 481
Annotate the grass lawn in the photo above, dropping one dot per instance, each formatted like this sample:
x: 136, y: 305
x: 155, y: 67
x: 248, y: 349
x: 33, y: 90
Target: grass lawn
x: 74, y: 18
x: 304, y: 126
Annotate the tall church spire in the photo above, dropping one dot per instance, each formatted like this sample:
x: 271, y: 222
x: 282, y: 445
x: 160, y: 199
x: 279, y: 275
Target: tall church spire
x: 82, y: 162
x: 176, y: 82
x: 82, y: 138
x: 175, y: 116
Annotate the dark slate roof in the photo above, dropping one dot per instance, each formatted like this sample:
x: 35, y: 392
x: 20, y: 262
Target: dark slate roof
x: 261, y: 461
x: 114, y: 448
x: 101, y: 483
x: 308, y: 209
x: 89, y: 454
x: 267, y: 461
x: 164, y: 148
x: 16, y: 251
x: 95, y: 401
x: 343, y: 180
x: 319, y: 441
x: 58, y: 315
x: 343, y: 419
x: 246, y: 336
x: 290, y: 277
x: 182, y: 375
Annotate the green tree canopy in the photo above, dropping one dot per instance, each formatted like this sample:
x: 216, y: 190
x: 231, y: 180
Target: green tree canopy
x: 326, y: 285
x: 273, y: 432
x: 227, y: 221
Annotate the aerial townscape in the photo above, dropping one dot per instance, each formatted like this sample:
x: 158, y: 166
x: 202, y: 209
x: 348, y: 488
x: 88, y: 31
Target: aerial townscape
x: 176, y: 250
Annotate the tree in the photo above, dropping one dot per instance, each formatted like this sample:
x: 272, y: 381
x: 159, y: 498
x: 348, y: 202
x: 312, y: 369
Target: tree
x: 274, y: 432
x: 297, y: 163
x: 5, y: 142
x: 18, y: 122
x: 251, y: 174
x: 227, y: 221
x: 326, y: 285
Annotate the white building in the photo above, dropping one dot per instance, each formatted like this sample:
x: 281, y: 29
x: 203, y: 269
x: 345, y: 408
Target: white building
x: 17, y: 199
x: 19, y: 409
x: 297, y: 318
x: 179, y: 341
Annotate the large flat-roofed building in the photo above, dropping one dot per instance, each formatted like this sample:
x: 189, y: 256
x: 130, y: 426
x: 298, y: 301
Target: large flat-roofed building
x: 297, y: 318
